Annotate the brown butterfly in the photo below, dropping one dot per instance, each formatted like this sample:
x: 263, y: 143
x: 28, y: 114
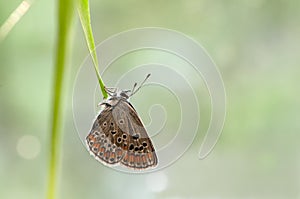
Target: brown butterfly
x: 118, y: 135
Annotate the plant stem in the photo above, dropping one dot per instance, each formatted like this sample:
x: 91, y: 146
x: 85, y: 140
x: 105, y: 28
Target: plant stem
x: 84, y: 14
x: 65, y: 18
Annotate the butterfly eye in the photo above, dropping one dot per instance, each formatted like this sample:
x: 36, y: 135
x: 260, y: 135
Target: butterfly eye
x: 123, y: 94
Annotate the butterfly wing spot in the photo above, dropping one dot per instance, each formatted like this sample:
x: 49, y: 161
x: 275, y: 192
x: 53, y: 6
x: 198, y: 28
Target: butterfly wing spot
x: 113, y: 132
x: 125, y: 146
x: 144, y: 144
x: 119, y: 140
x: 96, y: 133
x: 90, y: 140
x: 91, y: 143
x: 104, y: 124
x: 112, y: 157
x: 124, y: 136
x: 125, y: 159
x: 136, y: 148
x: 95, y: 147
x: 119, y: 154
x: 141, y: 148
x: 121, y: 121
x: 106, y: 155
x: 136, y: 136
x: 131, y: 147
x: 89, y: 137
x: 101, y: 152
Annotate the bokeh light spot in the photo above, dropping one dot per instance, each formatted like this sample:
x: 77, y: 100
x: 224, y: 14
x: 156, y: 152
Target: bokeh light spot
x: 28, y: 147
x: 157, y: 182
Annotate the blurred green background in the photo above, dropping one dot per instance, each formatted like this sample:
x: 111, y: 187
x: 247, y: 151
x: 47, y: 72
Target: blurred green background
x: 256, y: 47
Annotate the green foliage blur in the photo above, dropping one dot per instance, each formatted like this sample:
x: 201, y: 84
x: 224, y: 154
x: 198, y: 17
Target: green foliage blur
x: 256, y: 47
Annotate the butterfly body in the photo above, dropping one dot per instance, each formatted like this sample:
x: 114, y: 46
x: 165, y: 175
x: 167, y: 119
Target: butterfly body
x: 118, y: 136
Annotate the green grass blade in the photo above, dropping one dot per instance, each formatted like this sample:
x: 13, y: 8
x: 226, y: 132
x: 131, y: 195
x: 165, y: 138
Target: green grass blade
x: 65, y: 19
x: 84, y: 14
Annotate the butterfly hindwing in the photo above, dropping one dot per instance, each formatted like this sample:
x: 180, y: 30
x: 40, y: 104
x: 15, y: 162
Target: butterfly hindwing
x: 101, y: 139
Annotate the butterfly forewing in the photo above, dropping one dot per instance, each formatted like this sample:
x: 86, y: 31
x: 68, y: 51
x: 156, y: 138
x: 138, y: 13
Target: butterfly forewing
x: 119, y: 136
x: 140, y: 153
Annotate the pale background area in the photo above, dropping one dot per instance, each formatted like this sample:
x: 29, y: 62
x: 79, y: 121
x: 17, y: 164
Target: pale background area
x: 256, y: 47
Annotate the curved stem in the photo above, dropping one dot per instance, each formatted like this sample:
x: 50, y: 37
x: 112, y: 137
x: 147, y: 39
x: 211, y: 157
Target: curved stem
x: 84, y: 14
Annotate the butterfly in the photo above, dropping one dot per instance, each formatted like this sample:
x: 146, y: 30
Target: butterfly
x: 118, y: 136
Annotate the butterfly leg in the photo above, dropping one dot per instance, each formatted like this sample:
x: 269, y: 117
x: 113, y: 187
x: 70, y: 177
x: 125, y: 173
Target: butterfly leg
x: 111, y: 90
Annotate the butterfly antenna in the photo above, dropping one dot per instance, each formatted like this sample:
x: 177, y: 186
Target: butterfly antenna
x: 134, y: 86
x: 134, y: 91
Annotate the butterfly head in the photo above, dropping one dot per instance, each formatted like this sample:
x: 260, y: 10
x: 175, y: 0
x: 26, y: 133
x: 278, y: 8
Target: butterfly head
x: 124, y: 94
